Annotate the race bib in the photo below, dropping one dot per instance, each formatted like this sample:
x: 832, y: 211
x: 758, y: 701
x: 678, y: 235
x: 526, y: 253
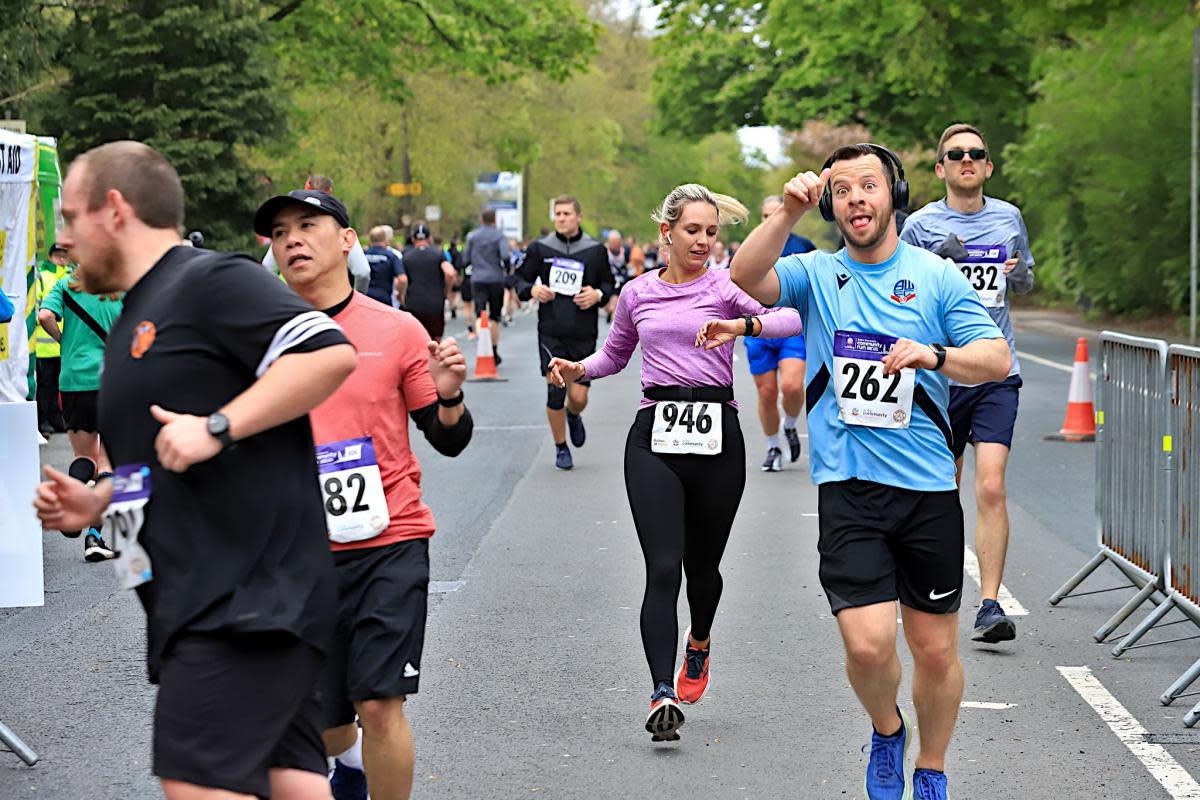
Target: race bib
x: 123, y: 524
x: 686, y: 428
x: 865, y: 396
x: 352, y: 489
x: 566, y: 275
x: 984, y: 268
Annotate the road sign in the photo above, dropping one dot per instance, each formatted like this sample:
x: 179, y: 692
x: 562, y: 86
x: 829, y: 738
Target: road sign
x: 433, y: 213
x: 14, y: 125
x: 405, y: 189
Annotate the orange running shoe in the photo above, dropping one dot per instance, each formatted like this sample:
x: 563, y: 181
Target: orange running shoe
x: 692, y: 680
x: 665, y: 718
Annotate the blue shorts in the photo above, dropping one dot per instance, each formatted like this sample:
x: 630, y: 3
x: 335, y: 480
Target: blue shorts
x: 765, y: 354
x: 984, y: 413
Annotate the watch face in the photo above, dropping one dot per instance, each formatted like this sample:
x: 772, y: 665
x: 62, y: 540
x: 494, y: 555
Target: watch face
x: 217, y: 424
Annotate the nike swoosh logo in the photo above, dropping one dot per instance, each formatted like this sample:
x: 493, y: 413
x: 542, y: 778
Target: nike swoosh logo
x: 410, y: 672
x: 935, y: 596
x: 843, y: 280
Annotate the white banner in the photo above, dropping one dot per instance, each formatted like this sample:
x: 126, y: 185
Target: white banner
x: 18, y: 165
x: 21, y: 581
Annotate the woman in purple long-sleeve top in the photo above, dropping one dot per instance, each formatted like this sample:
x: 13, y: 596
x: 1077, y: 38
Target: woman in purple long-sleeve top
x: 685, y: 461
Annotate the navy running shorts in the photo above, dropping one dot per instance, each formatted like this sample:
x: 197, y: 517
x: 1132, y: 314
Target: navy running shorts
x: 765, y: 354
x: 881, y: 543
x: 984, y: 413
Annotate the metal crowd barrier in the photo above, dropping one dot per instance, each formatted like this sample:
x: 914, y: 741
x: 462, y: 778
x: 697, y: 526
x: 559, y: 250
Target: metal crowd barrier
x: 1131, y: 484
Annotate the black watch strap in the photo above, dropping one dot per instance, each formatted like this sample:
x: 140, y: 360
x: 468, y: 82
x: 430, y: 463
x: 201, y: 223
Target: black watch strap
x: 218, y: 428
x: 453, y: 401
x: 749, y: 324
x: 940, y: 352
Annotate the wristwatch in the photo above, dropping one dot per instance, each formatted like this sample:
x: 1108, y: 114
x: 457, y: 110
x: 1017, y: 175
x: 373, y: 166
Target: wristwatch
x: 749, y: 318
x: 218, y: 428
x: 453, y: 401
x: 940, y: 352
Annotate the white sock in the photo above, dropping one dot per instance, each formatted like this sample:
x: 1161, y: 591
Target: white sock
x: 773, y: 441
x: 789, y: 423
x: 353, y: 756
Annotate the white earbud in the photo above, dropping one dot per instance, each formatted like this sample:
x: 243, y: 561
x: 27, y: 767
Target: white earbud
x: 669, y: 242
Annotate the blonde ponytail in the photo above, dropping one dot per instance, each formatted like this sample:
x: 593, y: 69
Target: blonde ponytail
x: 729, y: 210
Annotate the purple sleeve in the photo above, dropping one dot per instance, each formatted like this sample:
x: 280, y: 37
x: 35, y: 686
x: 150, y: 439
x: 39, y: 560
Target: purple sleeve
x: 619, y: 346
x: 776, y: 323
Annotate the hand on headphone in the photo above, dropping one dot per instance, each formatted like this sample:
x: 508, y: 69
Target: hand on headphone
x: 803, y: 192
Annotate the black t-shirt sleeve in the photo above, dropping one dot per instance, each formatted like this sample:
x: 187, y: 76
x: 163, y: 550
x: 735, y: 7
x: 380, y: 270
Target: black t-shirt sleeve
x: 527, y: 273
x: 257, y: 319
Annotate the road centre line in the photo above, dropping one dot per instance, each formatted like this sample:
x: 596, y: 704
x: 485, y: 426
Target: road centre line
x: 1045, y: 362
x: 986, y: 706
x: 1010, y: 604
x: 1154, y: 757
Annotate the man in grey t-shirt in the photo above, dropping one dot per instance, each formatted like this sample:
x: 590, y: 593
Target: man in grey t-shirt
x: 486, y: 254
x: 987, y: 239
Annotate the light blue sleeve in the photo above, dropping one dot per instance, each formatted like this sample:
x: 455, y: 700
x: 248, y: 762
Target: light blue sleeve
x: 794, y: 282
x: 964, y: 317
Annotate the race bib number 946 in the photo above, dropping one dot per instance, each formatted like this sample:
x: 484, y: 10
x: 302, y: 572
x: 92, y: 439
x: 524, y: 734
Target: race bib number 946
x: 566, y: 275
x: 984, y: 268
x: 865, y: 396
x: 352, y: 490
x: 686, y: 428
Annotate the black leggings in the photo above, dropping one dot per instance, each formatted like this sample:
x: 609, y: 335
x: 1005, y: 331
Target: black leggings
x: 683, y: 507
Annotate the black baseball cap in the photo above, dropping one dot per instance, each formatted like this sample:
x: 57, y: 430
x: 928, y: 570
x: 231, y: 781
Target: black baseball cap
x: 321, y: 202
x: 56, y: 248
x: 420, y: 231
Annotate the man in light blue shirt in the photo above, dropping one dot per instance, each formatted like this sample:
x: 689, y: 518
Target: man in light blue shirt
x: 887, y: 324
x: 992, y: 248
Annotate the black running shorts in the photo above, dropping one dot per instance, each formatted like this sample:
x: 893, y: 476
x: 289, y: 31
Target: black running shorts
x: 489, y: 296
x: 79, y: 411
x: 561, y: 347
x: 231, y: 707
x: 376, y: 654
x: 879, y: 543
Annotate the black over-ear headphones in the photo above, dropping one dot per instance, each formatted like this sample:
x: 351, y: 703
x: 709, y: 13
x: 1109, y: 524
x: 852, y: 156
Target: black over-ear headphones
x: 899, y: 185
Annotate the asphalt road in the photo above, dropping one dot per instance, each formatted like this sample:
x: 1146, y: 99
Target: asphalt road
x: 534, y: 680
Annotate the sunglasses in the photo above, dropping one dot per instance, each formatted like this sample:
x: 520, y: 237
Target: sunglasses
x: 976, y: 154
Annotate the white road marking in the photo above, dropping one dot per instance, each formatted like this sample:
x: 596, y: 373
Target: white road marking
x: 1045, y: 362
x: 808, y: 514
x: 986, y: 706
x: 1154, y: 757
x: 1011, y: 607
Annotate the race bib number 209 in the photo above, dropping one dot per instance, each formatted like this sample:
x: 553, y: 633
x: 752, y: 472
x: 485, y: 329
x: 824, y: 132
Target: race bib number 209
x: 865, y: 396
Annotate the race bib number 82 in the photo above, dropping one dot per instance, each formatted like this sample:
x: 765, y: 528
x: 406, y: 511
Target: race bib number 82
x: 352, y: 490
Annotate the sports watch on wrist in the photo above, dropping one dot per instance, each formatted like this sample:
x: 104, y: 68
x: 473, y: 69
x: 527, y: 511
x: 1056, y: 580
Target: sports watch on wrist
x: 218, y: 428
x: 749, y: 318
x: 453, y: 401
x: 940, y: 352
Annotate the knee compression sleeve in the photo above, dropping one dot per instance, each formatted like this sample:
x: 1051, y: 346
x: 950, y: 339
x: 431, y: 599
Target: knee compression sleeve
x: 556, y: 397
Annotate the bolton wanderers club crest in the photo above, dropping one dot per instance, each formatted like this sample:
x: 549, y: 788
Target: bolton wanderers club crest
x: 903, y: 291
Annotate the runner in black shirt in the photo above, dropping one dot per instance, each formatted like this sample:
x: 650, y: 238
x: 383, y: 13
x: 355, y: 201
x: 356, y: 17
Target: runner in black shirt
x: 229, y: 552
x: 429, y: 273
x: 575, y: 282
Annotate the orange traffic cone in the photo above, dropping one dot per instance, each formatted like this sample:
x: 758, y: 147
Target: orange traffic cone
x: 1079, y: 425
x: 485, y: 359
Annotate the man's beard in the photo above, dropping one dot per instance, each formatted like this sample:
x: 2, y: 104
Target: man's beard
x: 101, y: 273
x: 880, y: 232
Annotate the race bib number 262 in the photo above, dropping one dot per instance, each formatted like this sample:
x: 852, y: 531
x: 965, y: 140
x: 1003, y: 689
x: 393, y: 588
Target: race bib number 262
x: 865, y: 396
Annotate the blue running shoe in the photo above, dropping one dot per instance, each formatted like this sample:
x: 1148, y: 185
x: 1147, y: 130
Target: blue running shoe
x: 562, y: 458
x: 886, y: 777
x: 347, y: 783
x: 993, y: 625
x: 578, y: 434
x: 929, y: 784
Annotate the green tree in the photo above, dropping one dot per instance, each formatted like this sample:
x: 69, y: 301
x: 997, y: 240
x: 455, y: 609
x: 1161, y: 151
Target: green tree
x: 191, y: 80
x: 1102, y: 172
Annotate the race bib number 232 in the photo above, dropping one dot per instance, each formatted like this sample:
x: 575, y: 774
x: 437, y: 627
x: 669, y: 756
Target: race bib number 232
x: 984, y: 268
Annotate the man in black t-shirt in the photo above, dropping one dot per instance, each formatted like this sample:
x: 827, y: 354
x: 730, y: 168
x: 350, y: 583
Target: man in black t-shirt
x: 429, y: 273
x: 226, y: 545
x: 387, y: 269
x: 567, y: 272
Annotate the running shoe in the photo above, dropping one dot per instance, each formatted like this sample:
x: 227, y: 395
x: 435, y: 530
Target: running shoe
x: 347, y: 783
x: 886, y: 777
x: 578, y: 434
x: 496, y: 354
x: 665, y: 718
x: 691, y: 682
x: 929, y: 784
x: 562, y: 458
x: 793, y: 440
x: 993, y: 625
x: 774, y: 462
x: 83, y: 470
x: 471, y: 335
x: 95, y: 549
